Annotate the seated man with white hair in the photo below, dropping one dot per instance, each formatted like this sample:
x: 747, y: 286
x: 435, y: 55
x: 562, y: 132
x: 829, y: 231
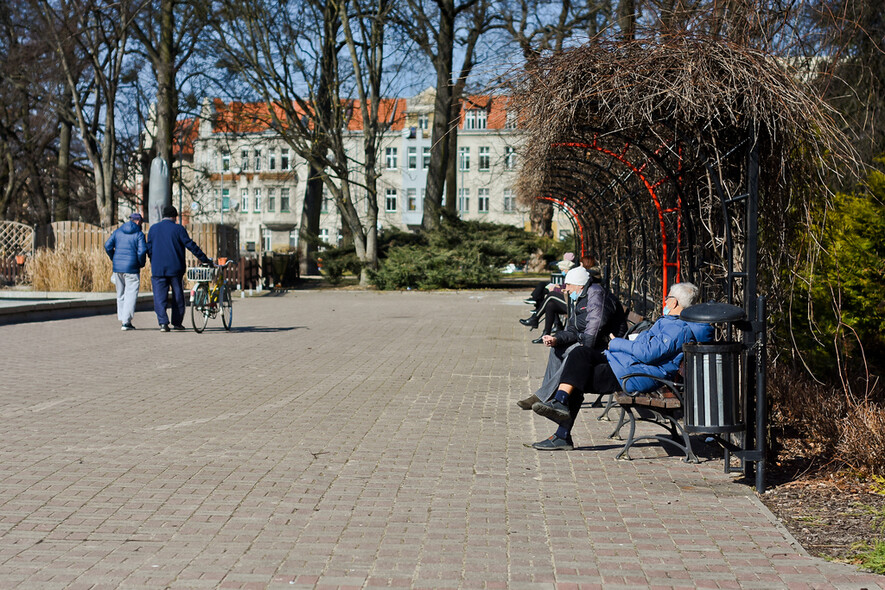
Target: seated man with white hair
x: 657, y: 351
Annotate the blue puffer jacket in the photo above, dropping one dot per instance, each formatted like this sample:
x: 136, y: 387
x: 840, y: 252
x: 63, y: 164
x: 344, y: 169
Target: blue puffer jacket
x: 166, y: 243
x: 657, y: 351
x: 127, y: 248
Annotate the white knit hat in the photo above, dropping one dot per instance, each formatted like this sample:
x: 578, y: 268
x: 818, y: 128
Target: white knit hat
x: 577, y: 276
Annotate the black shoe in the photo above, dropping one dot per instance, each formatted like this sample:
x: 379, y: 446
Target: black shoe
x: 554, y: 443
x: 530, y: 301
x: 164, y: 327
x: 527, y: 403
x: 538, y: 340
x: 554, y: 410
x: 532, y: 322
x: 179, y: 328
x: 127, y: 326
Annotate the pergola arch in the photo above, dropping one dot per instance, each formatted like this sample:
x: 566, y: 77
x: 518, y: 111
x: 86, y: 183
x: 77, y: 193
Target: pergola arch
x: 655, y: 146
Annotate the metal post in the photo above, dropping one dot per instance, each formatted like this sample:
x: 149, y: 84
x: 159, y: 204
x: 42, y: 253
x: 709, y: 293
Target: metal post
x: 761, y: 392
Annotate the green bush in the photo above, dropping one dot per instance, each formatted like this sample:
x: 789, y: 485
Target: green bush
x: 458, y: 254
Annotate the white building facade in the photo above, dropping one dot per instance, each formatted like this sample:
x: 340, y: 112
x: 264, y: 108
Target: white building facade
x: 253, y: 180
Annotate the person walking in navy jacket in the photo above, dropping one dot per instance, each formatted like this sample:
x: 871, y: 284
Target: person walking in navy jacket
x: 127, y: 249
x: 166, y: 242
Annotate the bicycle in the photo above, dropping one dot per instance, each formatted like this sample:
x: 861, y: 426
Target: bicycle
x: 210, y: 295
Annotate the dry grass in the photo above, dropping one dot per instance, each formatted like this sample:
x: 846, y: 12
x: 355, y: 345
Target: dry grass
x: 826, y: 423
x: 64, y: 270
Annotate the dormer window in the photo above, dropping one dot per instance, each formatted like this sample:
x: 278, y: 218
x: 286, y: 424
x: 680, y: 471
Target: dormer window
x: 475, y: 119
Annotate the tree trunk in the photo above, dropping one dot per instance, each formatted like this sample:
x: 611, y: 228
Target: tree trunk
x: 63, y: 193
x: 309, y: 230
x: 167, y: 103
x: 541, y: 216
x: 442, y: 113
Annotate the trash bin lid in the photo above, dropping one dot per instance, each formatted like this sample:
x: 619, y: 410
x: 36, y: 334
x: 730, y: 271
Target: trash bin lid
x: 712, y: 312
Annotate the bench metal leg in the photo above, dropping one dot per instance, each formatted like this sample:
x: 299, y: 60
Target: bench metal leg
x: 608, y: 406
x: 677, y: 432
x: 616, y: 432
x: 625, y: 452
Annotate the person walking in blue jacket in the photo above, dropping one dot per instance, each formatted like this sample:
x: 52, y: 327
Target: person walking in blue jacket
x: 127, y: 250
x: 657, y: 351
x: 166, y: 243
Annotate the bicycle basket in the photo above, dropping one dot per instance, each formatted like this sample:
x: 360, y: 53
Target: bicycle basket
x: 200, y: 274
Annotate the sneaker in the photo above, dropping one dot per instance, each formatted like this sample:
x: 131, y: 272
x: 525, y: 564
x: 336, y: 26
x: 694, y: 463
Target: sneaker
x: 179, y: 328
x: 127, y: 327
x: 554, y: 443
x: 527, y: 403
x: 164, y: 327
x: 530, y: 301
x: 554, y: 410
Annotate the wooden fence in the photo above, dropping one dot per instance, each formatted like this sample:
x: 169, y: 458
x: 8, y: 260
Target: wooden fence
x: 11, y: 272
x: 271, y: 270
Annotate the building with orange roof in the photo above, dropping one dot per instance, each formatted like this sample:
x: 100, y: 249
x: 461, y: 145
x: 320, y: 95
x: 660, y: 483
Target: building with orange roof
x: 238, y: 171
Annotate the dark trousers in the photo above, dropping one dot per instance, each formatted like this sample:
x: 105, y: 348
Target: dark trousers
x: 160, y: 287
x: 585, y: 369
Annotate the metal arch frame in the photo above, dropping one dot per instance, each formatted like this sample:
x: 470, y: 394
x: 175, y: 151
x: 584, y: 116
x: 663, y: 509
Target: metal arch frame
x: 590, y: 199
x: 652, y: 191
x: 704, y: 159
x: 577, y: 226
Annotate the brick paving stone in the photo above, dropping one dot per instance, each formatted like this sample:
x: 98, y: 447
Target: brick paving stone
x: 346, y: 439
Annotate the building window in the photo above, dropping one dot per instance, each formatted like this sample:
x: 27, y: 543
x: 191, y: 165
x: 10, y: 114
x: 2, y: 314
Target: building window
x: 390, y: 153
x: 509, y: 157
x: 390, y: 200
x: 244, y: 200
x: 256, y: 198
x: 485, y: 158
x: 284, y: 200
x: 244, y: 159
x: 509, y: 201
x: 324, y: 205
x: 424, y: 121
x: 271, y: 199
x: 413, y: 158
x: 412, y: 199
x: 324, y: 235
x: 464, y: 158
x: 265, y: 239
x: 225, y: 162
x: 475, y: 119
x: 426, y: 154
x: 483, y: 200
x: 284, y: 159
x: 293, y: 239
x: 272, y: 160
x: 463, y: 200
x: 257, y: 160
x: 510, y: 122
x: 225, y: 199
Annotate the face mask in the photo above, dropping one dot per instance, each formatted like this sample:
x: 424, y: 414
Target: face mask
x: 666, y: 311
x: 573, y: 295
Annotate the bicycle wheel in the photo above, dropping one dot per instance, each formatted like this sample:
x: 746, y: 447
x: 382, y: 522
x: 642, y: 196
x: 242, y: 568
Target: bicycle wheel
x: 227, y: 306
x: 200, y: 308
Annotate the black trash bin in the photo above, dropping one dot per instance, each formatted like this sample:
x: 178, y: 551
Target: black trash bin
x: 714, y: 383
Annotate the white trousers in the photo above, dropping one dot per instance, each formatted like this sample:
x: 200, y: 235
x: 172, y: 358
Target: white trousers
x: 127, y: 294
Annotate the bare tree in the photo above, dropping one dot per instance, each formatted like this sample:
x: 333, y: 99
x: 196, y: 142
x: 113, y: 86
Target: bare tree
x: 169, y: 32
x: 100, y: 31
x: 293, y: 66
x: 431, y: 25
x: 537, y: 29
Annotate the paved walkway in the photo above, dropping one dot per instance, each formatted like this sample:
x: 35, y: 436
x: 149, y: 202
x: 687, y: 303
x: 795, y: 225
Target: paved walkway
x: 345, y: 439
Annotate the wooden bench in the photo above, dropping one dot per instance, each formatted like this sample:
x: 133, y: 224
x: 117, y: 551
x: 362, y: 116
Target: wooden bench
x: 663, y: 408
